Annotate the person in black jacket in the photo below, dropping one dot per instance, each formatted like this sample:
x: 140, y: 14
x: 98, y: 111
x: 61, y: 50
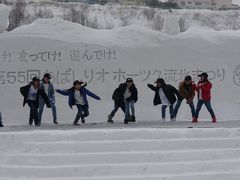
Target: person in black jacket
x: 165, y: 94
x: 31, y: 94
x: 118, y: 103
x: 1, y: 124
x: 129, y: 94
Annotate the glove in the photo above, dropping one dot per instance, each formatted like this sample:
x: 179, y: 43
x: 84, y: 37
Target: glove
x: 48, y: 105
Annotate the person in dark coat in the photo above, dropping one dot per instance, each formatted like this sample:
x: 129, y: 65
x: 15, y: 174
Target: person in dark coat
x: 48, y: 88
x: 1, y: 124
x: 203, y: 89
x: 187, y: 90
x: 118, y: 103
x: 129, y: 94
x: 31, y: 94
x: 77, y: 95
x: 166, y: 95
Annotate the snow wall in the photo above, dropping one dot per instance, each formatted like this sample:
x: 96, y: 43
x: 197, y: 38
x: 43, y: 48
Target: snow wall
x: 105, y: 58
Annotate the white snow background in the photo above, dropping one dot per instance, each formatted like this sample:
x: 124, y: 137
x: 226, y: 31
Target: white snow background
x: 139, y: 51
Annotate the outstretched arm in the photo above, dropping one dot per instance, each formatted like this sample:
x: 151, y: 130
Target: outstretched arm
x: 63, y: 92
x: 152, y: 87
x: 89, y: 93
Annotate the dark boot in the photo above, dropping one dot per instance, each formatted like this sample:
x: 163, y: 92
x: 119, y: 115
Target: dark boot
x: 125, y: 121
x: 75, y: 123
x: 55, y: 122
x: 110, y: 119
x: 132, y: 119
x: 83, y: 120
x: 1, y: 125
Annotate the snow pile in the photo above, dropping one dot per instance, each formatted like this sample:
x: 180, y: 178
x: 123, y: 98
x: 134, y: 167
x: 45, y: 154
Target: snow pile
x: 4, y: 12
x: 237, y: 2
x: 113, y: 16
x: 171, y: 25
x: 58, y: 29
x: 104, y: 58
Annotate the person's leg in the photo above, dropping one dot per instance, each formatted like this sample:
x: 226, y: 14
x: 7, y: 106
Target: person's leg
x: 54, y: 112
x: 210, y: 110
x: 85, y: 113
x: 123, y: 107
x: 41, y: 107
x: 198, y: 108
x: 112, y: 114
x: 79, y: 114
x: 1, y: 124
x: 35, y: 114
x: 31, y: 106
x: 132, y: 106
x: 164, y: 107
x: 126, y: 112
x: 176, y: 108
x: 116, y: 107
x: 192, y: 107
x: 172, y: 116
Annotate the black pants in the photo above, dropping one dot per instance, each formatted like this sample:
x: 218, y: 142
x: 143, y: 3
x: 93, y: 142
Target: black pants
x: 82, y: 112
x: 0, y: 119
x: 33, y: 112
x: 116, y: 107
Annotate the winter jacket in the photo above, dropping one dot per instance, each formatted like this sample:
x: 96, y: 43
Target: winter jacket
x: 170, y: 92
x: 70, y: 93
x: 205, y: 87
x: 134, y: 92
x: 187, y: 91
x: 116, y: 97
x: 51, y: 91
x: 40, y: 93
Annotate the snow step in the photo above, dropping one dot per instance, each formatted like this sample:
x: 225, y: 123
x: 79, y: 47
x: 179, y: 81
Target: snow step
x: 118, y: 157
x: 134, y: 169
x: 163, y: 154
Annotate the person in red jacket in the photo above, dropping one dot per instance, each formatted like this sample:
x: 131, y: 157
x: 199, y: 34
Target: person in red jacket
x: 204, y: 97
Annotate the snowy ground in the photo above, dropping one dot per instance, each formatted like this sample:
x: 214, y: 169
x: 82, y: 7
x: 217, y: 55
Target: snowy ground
x: 119, y: 125
x: 121, y: 154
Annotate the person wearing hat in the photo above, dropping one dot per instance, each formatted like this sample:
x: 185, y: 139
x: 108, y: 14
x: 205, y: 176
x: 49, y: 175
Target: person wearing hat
x: 130, y: 97
x: 187, y: 90
x: 1, y: 124
x: 48, y: 88
x: 31, y: 94
x: 77, y: 95
x: 128, y: 94
x: 203, y: 89
x: 165, y: 94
